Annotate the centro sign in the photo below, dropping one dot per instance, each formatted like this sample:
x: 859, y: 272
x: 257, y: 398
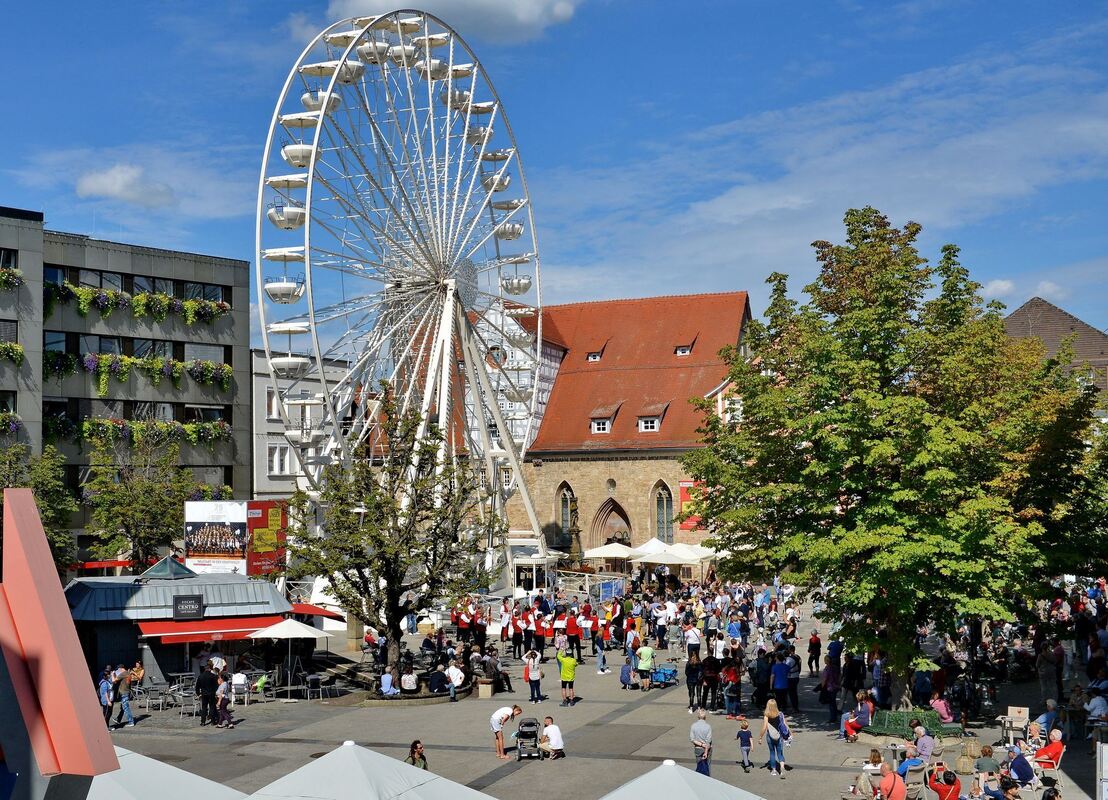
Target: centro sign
x: 188, y: 606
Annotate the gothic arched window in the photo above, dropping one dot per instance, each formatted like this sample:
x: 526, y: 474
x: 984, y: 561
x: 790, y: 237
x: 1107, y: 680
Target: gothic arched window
x: 663, y: 500
x: 567, y: 512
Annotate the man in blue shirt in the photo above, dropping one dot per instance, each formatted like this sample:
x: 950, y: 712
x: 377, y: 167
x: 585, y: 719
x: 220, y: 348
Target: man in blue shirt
x: 1019, y: 768
x: 779, y: 681
x: 911, y: 759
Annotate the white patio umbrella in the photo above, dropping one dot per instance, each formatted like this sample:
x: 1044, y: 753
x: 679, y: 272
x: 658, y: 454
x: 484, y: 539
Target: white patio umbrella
x: 699, y: 552
x: 651, y: 546
x: 613, y: 550
x: 667, y: 557
x: 672, y: 780
x: 138, y: 775
x: 290, y: 629
x: 351, y: 772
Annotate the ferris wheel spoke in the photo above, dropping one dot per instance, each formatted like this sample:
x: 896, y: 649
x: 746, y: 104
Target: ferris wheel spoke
x: 430, y: 185
x: 475, y: 220
x: 456, y: 213
x: 418, y: 240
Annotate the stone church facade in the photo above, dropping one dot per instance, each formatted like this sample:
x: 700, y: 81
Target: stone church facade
x: 604, y: 465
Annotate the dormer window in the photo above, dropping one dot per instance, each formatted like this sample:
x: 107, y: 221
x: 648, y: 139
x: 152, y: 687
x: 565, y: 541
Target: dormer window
x: 602, y: 425
x: 682, y: 350
x: 593, y: 356
x: 650, y: 424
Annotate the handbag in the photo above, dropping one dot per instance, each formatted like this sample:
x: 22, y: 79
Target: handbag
x: 774, y: 731
x: 702, y: 766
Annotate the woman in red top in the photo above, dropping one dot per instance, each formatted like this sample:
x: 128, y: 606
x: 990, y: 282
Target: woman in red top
x: 573, y: 634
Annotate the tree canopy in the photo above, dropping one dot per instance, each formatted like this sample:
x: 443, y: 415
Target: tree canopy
x: 894, y: 442
x: 45, y: 475
x: 402, y: 523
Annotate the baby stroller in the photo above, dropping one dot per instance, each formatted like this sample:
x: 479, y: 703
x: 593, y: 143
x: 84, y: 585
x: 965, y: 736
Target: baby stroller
x: 527, y: 739
x: 660, y: 677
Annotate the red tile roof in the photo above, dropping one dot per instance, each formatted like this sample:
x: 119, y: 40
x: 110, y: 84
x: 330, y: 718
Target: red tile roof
x: 638, y: 374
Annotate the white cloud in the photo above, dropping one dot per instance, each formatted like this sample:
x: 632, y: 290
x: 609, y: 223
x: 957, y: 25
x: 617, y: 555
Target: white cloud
x: 509, y: 21
x: 1051, y: 291
x: 126, y: 182
x: 998, y: 288
x: 946, y: 147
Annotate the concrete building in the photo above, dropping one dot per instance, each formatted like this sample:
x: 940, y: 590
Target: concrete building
x: 605, y: 463
x: 277, y: 472
x: 94, y: 320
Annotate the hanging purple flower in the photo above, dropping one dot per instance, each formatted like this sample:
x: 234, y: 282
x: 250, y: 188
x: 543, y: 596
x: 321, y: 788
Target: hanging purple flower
x: 176, y: 306
x: 90, y: 362
x: 115, y: 366
x: 102, y: 300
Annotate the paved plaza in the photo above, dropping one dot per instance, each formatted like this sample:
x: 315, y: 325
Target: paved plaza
x: 611, y: 736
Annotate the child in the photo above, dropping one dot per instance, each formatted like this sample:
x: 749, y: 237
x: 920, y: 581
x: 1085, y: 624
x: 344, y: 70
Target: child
x: 746, y: 741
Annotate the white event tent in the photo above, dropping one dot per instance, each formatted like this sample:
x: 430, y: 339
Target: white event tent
x: 140, y: 777
x: 675, y: 782
x: 351, y: 772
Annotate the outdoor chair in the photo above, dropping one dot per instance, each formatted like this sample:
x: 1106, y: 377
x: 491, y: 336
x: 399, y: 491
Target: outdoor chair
x: 190, y: 705
x: 916, y: 782
x: 314, y: 684
x: 268, y: 691
x: 157, y: 695
x: 1050, y: 766
x: 240, y: 689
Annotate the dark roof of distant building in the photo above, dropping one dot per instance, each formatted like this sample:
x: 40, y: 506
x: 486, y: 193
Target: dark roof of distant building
x: 21, y: 213
x: 1044, y: 320
x: 639, y: 373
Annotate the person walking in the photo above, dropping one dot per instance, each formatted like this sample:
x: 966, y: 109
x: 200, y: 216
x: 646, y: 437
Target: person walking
x: 416, y: 756
x: 700, y: 734
x: 815, y: 646
x: 532, y: 673
x: 497, y: 722
x: 772, y: 721
x: 104, y: 690
x: 745, y: 739
x: 829, y: 690
x: 206, y: 686
x: 645, y: 655
x: 793, y: 660
x: 223, y: 701
x: 123, y: 691
x: 779, y: 681
x: 694, y: 675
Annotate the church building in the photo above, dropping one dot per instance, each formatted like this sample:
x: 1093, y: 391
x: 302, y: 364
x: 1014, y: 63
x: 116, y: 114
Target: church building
x: 604, y: 465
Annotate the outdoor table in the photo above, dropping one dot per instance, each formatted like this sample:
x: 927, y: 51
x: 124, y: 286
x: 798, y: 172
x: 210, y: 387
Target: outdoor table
x: 899, y: 751
x: 1012, y: 727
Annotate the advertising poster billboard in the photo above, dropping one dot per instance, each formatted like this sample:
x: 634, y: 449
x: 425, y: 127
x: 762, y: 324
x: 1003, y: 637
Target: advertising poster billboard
x: 685, y: 498
x: 267, y: 523
x: 215, y: 537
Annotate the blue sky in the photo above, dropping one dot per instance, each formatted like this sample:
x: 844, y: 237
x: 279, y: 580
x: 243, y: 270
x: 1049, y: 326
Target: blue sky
x: 670, y: 147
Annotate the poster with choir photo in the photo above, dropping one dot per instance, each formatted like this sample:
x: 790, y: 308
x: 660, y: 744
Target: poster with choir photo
x: 215, y: 537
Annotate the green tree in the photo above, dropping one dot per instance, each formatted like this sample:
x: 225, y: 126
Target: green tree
x: 401, y: 520
x: 45, y: 475
x: 136, y: 495
x: 894, y: 442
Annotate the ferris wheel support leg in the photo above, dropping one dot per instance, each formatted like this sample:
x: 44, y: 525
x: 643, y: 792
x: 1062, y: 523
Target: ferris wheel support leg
x: 482, y: 429
x: 473, y: 357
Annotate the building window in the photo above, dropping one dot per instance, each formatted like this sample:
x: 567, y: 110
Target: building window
x: 506, y: 477
x: 91, y: 343
x: 682, y: 349
x: 203, y: 291
x: 663, y: 502
x: 204, y: 352
x: 7, y: 402
x: 567, y: 510
x: 601, y: 426
x: 733, y: 409
x: 53, y: 274
x: 144, y: 283
x: 594, y: 356
x: 148, y: 348
x: 9, y: 259
x: 53, y: 340
x: 203, y: 413
x: 272, y: 411
x: 278, y: 458
x: 649, y: 424
x: 163, y: 412
x: 111, y: 280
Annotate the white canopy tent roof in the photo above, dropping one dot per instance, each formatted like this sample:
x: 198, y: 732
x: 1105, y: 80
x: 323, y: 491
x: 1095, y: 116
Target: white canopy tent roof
x: 651, y: 546
x: 666, y: 557
x: 675, y: 782
x: 139, y: 777
x: 351, y: 772
x: 290, y: 629
x: 699, y: 552
x: 613, y: 550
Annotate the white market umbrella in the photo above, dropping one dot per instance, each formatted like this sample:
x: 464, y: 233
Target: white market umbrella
x: 665, y: 558
x: 290, y: 629
x: 613, y: 550
x: 694, y: 551
x: 650, y: 546
x: 351, y: 772
x: 673, y: 780
x: 137, y: 775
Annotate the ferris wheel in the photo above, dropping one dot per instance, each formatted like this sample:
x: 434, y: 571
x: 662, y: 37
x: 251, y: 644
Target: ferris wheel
x: 396, y: 243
